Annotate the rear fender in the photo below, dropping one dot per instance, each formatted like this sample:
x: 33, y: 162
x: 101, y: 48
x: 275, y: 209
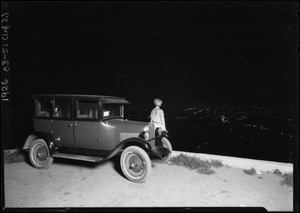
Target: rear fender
x: 47, y: 137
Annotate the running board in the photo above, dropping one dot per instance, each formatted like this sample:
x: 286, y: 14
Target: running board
x: 78, y: 157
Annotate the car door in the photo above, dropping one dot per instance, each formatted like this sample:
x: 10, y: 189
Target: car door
x: 86, y: 124
x: 42, y: 120
x: 62, y: 122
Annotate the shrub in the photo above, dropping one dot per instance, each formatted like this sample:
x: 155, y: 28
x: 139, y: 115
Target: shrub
x: 277, y: 172
x: 206, y: 171
x: 12, y: 157
x: 189, y: 162
x: 202, y: 165
x: 216, y: 163
x: 287, y: 179
x: 251, y: 171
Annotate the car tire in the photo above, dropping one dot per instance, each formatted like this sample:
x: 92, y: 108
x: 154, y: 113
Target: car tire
x: 39, y: 154
x: 135, y: 164
x: 166, y: 143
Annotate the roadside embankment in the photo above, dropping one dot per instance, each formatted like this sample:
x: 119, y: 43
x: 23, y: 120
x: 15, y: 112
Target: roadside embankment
x: 242, y: 163
x: 15, y: 155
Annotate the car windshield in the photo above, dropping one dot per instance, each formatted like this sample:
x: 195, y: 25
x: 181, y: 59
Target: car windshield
x: 112, y: 110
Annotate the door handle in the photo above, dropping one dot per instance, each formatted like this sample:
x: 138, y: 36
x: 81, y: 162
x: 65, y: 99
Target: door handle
x: 75, y: 125
x: 69, y: 125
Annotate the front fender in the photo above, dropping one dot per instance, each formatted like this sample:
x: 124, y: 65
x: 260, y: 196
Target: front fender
x: 47, y: 137
x: 159, y: 147
x: 165, y: 134
x: 132, y: 142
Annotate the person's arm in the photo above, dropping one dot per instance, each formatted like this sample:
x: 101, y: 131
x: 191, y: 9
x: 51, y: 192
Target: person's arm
x: 151, y: 121
x: 162, y: 118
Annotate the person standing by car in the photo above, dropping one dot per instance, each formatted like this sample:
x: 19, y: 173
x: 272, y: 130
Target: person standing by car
x: 157, y: 116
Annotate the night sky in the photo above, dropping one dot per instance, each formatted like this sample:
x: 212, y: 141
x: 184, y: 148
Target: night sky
x: 177, y: 51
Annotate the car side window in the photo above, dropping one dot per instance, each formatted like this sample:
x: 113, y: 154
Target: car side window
x: 87, y: 109
x: 43, y: 107
x: 112, y: 110
x: 62, y: 109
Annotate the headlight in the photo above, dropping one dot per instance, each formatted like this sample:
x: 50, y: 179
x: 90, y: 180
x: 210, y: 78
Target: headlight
x: 146, y: 128
x: 146, y: 135
x: 159, y: 131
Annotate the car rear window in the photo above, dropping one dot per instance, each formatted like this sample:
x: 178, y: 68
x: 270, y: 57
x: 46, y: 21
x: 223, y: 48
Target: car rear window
x: 43, y: 107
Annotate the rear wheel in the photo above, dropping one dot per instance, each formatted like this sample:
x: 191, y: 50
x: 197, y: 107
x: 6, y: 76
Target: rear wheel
x: 135, y: 164
x: 39, y: 154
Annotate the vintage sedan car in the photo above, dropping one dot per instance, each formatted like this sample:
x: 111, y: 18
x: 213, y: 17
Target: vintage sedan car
x: 92, y: 128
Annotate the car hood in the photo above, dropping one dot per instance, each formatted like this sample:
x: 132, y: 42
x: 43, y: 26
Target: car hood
x: 129, y: 126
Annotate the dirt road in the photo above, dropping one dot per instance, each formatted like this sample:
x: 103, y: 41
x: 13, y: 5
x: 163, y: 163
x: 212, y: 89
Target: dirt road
x: 76, y: 184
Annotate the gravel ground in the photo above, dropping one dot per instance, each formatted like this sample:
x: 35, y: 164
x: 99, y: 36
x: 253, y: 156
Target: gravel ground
x: 77, y: 184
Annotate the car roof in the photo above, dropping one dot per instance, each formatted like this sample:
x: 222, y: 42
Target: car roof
x: 103, y: 98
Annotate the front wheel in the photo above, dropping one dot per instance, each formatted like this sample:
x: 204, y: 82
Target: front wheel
x: 39, y: 154
x: 166, y: 143
x: 135, y: 164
